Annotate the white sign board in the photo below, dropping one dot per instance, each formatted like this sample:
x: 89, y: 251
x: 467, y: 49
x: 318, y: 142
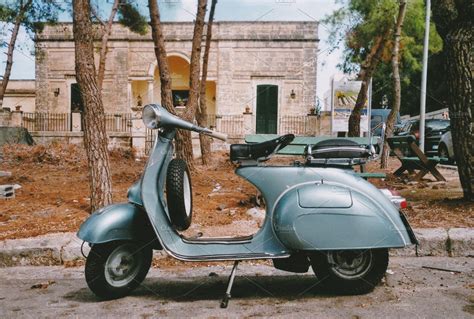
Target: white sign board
x: 343, y: 100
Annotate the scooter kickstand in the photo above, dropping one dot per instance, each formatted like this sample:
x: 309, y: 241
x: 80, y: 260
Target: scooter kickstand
x: 227, y: 296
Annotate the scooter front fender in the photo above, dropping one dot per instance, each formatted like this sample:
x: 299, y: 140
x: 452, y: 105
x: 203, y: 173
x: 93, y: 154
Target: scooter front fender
x: 118, y: 222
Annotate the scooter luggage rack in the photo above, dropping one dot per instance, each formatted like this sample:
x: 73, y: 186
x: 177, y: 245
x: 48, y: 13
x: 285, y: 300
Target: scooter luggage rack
x: 334, y: 162
x: 336, y: 156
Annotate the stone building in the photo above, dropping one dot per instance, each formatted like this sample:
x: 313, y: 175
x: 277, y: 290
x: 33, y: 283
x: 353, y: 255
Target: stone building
x: 20, y: 94
x: 265, y: 68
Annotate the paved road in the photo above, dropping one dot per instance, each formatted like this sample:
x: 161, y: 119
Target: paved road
x: 409, y: 291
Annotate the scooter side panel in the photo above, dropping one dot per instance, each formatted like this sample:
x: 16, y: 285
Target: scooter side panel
x: 117, y: 222
x: 365, y: 220
x: 359, y: 226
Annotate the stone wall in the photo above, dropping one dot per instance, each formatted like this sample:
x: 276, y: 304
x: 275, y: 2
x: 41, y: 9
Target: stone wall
x: 20, y: 93
x: 243, y: 55
x: 117, y: 140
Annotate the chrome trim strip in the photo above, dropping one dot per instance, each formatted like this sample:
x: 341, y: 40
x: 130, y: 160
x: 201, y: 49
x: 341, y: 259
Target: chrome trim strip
x: 250, y: 256
x: 210, y: 240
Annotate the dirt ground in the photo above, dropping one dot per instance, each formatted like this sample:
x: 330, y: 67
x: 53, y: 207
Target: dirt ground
x: 54, y: 193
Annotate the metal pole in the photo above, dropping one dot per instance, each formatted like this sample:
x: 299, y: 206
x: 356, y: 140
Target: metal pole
x: 369, y: 114
x: 424, y: 76
x: 332, y: 106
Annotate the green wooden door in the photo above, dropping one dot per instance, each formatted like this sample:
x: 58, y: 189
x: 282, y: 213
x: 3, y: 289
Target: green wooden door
x: 76, y: 100
x: 267, y: 109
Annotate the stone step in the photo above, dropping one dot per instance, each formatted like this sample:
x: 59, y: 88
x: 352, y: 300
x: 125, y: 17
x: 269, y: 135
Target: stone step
x: 5, y: 174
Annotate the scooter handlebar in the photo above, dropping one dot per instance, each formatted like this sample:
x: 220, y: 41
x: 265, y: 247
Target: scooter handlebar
x: 218, y: 135
x: 155, y: 116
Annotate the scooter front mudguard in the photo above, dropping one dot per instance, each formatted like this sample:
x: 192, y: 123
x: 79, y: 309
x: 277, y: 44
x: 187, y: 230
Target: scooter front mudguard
x: 326, y: 216
x: 118, y: 222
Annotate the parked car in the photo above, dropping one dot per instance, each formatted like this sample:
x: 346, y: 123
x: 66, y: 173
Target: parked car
x: 378, y: 117
x: 445, y: 147
x: 434, y: 129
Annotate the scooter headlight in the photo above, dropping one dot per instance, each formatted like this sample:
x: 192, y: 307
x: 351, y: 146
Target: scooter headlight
x: 151, y: 116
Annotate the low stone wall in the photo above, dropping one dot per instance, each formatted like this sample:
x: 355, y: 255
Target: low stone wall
x: 139, y: 138
x: 116, y: 139
x: 5, y: 118
x: 216, y: 144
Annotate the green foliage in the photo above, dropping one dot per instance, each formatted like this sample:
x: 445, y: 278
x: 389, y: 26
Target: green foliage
x: 411, y: 54
x: 7, y: 14
x: 38, y: 13
x: 359, y: 22
x: 130, y: 17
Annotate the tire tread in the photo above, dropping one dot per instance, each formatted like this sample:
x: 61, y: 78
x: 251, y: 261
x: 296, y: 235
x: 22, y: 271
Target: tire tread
x: 95, y: 272
x: 334, y: 284
x: 175, y: 194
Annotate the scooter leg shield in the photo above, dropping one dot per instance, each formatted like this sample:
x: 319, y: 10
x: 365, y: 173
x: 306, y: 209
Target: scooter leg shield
x: 118, y: 222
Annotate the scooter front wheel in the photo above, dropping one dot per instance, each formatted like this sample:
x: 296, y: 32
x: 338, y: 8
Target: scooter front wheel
x: 114, y: 269
x: 350, y: 272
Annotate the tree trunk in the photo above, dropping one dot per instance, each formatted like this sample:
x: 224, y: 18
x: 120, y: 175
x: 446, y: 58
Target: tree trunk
x: 201, y: 111
x: 396, y: 84
x: 103, y: 46
x: 185, y: 150
x: 367, y: 69
x: 95, y: 137
x: 455, y: 25
x: 161, y: 57
x: 183, y: 139
x: 460, y: 65
x: 11, y: 49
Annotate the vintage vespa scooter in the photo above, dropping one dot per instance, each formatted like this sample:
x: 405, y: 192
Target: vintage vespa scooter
x: 318, y: 214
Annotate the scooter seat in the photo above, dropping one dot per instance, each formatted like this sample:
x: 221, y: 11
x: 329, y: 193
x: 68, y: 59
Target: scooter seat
x: 259, y: 151
x: 337, y: 148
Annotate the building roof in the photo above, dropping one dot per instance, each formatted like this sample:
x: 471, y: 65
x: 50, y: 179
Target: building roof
x: 183, y: 31
x: 20, y: 87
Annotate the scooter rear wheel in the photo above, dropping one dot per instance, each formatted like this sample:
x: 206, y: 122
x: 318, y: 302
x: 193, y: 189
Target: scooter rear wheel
x: 350, y: 272
x: 114, y: 269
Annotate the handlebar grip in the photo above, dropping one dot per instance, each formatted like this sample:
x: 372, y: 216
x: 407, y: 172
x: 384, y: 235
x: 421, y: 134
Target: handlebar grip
x: 218, y: 135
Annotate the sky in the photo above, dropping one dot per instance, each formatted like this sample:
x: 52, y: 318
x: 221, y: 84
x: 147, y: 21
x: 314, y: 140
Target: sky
x: 226, y: 10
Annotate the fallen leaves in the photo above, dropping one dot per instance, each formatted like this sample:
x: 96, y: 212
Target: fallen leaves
x: 43, y: 285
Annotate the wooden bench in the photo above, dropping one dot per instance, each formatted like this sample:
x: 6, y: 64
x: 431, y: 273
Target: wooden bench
x: 400, y: 145
x: 371, y: 175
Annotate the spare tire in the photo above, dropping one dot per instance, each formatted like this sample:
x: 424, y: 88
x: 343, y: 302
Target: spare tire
x: 179, y: 194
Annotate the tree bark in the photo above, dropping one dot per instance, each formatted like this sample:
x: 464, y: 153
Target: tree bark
x: 396, y: 84
x: 201, y: 111
x: 185, y: 150
x: 161, y: 57
x: 11, y: 49
x: 103, y: 46
x: 367, y: 69
x: 453, y: 19
x: 183, y: 138
x: 95, y: 137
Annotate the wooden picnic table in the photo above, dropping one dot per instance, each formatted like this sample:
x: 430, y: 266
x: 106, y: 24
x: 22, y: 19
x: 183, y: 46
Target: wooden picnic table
x: 425, y: 165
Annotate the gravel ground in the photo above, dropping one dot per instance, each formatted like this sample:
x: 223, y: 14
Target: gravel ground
x: 408, y: 291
